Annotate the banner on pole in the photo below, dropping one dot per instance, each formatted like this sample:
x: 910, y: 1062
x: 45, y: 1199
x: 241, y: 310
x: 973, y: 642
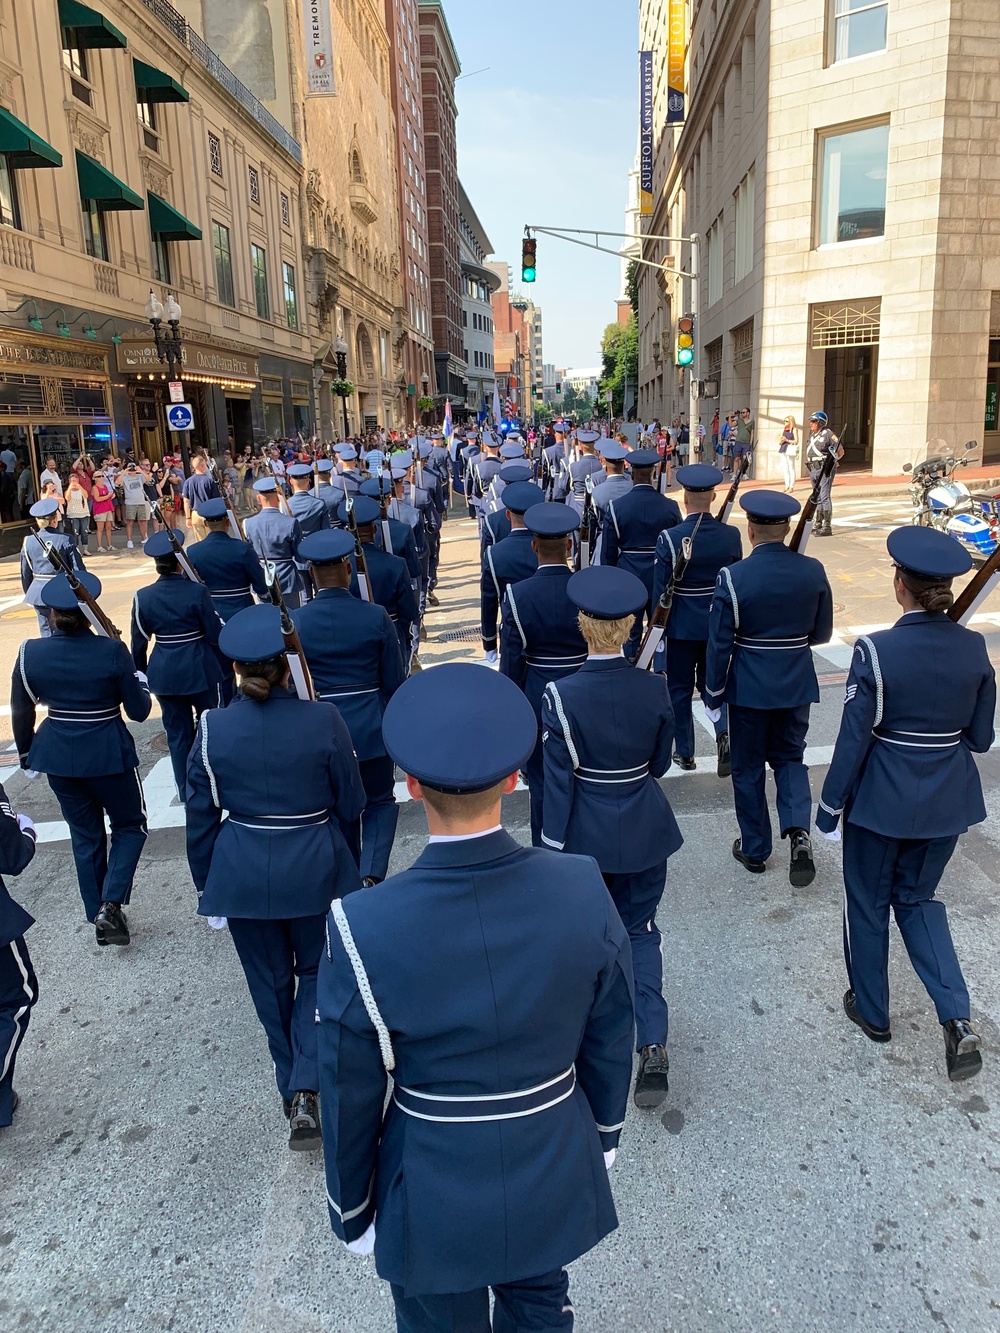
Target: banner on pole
x: 676, y: 52
x: 645, y: 133
x: 319, y: 49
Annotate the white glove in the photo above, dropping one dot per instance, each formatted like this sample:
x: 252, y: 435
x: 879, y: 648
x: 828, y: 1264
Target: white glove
x: 832, y: 837
x: 218, y: 922
x: 713, y: 714
x: 364, y: 1244
x: 491, y: 659
x: 609, y: 1158
x: 25, y: 824
x: 142, y: 678
x: 30, y: 774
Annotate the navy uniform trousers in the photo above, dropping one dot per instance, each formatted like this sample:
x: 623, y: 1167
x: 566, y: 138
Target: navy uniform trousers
x: 180, y: 722
x: 280, y: 960
x: 380, y: 816
x: 537, y: 1303
x: 775, y: 736
x: 902, y: 874
x: 637, y: 896
x: 685, y: 663
x: 18, y: 994
x: 83, y: 802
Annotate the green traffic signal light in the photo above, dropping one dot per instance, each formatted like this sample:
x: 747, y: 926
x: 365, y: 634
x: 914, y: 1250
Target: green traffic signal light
x: 528, y: 274
x: 684, y: 349
x: 529, y: 249
x: 685, y: 356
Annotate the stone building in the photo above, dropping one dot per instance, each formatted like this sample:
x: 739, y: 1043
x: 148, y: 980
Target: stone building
x: 478, y: 285
x: 840, y: 164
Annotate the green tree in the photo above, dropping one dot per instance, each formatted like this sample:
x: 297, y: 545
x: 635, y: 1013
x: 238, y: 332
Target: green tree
x: 620, y: 362
x: 632, y: 285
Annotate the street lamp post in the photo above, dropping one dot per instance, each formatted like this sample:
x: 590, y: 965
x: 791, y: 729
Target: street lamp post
x: 425, y: 380
x: 341, y: 351
x: 170, y: 350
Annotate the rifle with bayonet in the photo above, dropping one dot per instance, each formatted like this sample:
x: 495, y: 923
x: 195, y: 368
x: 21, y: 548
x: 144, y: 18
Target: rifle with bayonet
x: 279, y: 482
x: 586, y: 524
x: 297, y: 664
x: 364, y: 581
x: 235, y: 526
x: 741, y: 472
x: 176, y: 545
x: 87, y: 601
x: 657, y: 626
x: 804, y: 527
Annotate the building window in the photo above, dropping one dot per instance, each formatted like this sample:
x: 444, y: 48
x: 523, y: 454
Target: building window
x: 95, y: 238
x: 161, y: 260
x: 258, y: 262
x: 743, y: 263
x: 10, y: 212
x: 286, y: 216
x: 852, y: 199
x: 215, y: 154
x: 254, y: 186
x: 146, y: 112
x: 223, y: 265
x: 715, y: 243
x: 859, y: 27
x: 291, y: 303
x: 75, y: 60
x: 383, y: 347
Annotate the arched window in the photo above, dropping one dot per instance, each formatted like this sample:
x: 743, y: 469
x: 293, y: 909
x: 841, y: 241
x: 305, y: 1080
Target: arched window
x: 357, y: 172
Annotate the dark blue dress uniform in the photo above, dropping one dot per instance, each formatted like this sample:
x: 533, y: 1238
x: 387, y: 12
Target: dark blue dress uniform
x: 390, y: 580
x: 275, y: 537
x: 328, y: 490
x: 715, y: 545
x: 401, y: 538
x: 36, y: 571
x: 496, y: 525
x: 18, y: 983
x: 230, y: 567
x: 507, y: 561
x: 311, y: 514
x: 84, y: 746
x: 767, y: 611
x: 540, y: 637
x: 354, y: 656
x: 607, y: 734
x: 920, y: 702
x: 284, y: 771
x: 485, y: 1170
x: 630, y: 533
x: 183, y: 669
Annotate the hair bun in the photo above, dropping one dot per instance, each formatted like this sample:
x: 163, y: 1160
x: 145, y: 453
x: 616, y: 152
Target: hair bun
x: 256, y: 688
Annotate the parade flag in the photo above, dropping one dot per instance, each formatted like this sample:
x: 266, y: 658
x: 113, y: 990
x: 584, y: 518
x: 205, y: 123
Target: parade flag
x: 449, y: 427
x: 497, y: 413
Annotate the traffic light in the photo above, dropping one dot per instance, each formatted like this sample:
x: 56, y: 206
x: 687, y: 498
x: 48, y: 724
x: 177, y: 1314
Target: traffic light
x: 684, y: 348
x: 529, y: 248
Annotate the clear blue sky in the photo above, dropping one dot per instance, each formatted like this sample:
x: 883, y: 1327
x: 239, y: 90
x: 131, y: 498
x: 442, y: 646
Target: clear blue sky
x: 548, y: 136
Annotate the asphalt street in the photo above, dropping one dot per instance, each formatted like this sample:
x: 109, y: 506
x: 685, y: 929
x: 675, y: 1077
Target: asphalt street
x: 797, y: 1178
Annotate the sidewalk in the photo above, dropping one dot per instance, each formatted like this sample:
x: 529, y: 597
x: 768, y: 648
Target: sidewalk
x: 861, y: 485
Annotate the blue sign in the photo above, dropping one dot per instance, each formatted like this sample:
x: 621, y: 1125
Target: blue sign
x: 180, y: 416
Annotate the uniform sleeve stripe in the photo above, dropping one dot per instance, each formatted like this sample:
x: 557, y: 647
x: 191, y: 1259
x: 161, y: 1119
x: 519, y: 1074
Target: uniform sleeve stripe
x: 353, y: 1212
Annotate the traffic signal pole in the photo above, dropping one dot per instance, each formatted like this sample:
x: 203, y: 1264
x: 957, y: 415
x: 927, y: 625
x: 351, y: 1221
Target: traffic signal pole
x: 694, y: 305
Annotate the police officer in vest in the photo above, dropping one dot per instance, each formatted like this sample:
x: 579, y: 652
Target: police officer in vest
x: 714, y: 545
x: 632, y: 528
x: 821, y: 443
x: 388, y: 575
x: 920, y: 703
x: 36, y: 570
x: 508, y: 561
x: 18, y: 983
x: 284, y: 771
x: 183, y: 669
x: 540, y: 639
x: 275, y: 537
x: 602, y: 798
x: 354, y: 656
x: 510, y: 1081
x: 767, y: 611
x: 229, y: 567
x: 85, y: 748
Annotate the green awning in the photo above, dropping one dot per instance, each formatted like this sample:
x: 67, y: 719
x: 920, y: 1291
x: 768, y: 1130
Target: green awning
x: 153, y: 85
x: 22, y: 147
x: 107, y: 191
x: 89, y: 28
x: 167, y: 223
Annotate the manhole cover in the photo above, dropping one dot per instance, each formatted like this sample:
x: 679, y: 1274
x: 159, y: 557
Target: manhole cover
x: 459, y: 636
x: 159, y: 743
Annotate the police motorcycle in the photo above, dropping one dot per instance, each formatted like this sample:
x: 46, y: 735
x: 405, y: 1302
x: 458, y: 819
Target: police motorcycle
x: 941, y: 502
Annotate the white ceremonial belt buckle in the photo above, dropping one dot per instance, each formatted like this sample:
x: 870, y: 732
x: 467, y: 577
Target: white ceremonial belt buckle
x: 488, y: 1108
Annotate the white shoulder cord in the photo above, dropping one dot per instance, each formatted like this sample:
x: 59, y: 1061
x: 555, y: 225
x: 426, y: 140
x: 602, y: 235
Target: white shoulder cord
x: 364, y: 985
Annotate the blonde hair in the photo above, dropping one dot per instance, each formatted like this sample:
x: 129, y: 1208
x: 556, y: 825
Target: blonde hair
x: 455, y: 809
x: 789, y: 421
x: 605, y: 636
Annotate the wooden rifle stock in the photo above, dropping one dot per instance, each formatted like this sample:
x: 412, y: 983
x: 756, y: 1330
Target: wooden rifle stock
x: 583, y: 545
x: 235, y: 526
x: 657, y: 626
x: 364, y: 581
x: 182, y: 559
x: 803, y: 529
x: 297, y: 664
x: 88, y: 603
x: 971, y: 598
x: 738, y: 476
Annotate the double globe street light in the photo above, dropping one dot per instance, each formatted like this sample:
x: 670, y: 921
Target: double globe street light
x: 170, y: 351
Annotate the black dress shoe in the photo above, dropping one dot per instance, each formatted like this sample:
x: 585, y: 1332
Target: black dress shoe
x: 306, y: 1135
x: 286, y: 1106
x: 370, y: 881
x: 802, y: 870
x: 961, y: 1049
x: 748, y: 863
x: 651, y: 1082
x: 851, y: 1010
x: 688, y: 765
x: 725, y: 768
x: 432, y: 600
x: 110, y: 925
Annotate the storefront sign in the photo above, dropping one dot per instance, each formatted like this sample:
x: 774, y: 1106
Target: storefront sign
x: 60, y: 358
x: 138, y: 357
x: 645, y: 133
x: 992, y: 394
x: 319, y: 49
x: 676, y: 44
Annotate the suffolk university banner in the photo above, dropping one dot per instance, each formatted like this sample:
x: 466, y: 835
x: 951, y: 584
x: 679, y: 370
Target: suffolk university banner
x: 676, y: 42
x: 645, y: 133
x: 319, y: 49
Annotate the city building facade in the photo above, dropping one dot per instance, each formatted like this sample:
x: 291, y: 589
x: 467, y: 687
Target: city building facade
x: 478, y: 285
x: 837, y: 163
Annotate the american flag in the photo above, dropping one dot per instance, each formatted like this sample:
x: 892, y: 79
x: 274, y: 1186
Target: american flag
x: 449, y: 426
